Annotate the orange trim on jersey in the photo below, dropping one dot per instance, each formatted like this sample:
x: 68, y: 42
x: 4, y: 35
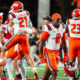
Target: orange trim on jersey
x: 13, y: 15
x: 64, y: 37
x: 44, y: 35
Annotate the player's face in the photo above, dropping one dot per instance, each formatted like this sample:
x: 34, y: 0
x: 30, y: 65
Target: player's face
x: 57, y: 22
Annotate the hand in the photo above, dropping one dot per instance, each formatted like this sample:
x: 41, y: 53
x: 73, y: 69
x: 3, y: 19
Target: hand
x: 42, y: 59
x: 65, y: 58
x: 37, y: 42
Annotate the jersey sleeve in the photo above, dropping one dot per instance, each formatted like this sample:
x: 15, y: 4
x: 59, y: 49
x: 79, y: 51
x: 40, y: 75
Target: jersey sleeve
x: 11, y: 16
x: 45, y: 33
x: 45, y: 28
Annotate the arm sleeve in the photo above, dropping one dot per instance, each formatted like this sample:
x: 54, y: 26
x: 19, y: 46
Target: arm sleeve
x: 45, y: 33
x: 10, y: 16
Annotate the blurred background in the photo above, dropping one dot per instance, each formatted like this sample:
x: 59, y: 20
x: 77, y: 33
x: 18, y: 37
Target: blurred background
x: 41, y: 8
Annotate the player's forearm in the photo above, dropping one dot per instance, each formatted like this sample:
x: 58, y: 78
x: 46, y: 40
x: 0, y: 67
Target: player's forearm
x: 1, y: 37
x: 41, y: 45
x: 64, y: 47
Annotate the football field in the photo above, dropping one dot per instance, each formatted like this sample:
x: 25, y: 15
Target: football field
x: 40, y: 70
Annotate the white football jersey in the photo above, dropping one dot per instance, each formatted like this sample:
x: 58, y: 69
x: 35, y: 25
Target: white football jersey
x: 55, y: 35
x: 74, y: 28
x: 21, y: 20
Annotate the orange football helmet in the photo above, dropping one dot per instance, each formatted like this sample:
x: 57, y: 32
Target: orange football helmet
x: 71, y: 71
x: 17, y: 6
x: 76, y: 13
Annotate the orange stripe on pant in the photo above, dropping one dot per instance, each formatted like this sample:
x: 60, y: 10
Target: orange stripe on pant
x: 52, y: 57
x: 22, y: 40
x: 74, y: 47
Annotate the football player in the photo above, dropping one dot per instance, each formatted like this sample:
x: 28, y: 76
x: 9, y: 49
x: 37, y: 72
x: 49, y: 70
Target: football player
x: 73, y: 29
x: 52, y: 35
x: 19, y: 19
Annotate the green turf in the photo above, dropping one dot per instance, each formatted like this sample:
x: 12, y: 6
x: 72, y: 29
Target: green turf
x: 41, y: 69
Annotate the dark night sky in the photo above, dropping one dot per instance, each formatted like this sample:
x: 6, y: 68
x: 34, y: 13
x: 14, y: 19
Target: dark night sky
x: 32, y: 7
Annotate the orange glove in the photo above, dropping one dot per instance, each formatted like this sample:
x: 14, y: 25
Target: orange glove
x: 65, y: 58
x: 42, y: 59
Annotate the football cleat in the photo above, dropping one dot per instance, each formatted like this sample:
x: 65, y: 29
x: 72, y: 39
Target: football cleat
x: 35, y: 73
x: 18, y: 76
